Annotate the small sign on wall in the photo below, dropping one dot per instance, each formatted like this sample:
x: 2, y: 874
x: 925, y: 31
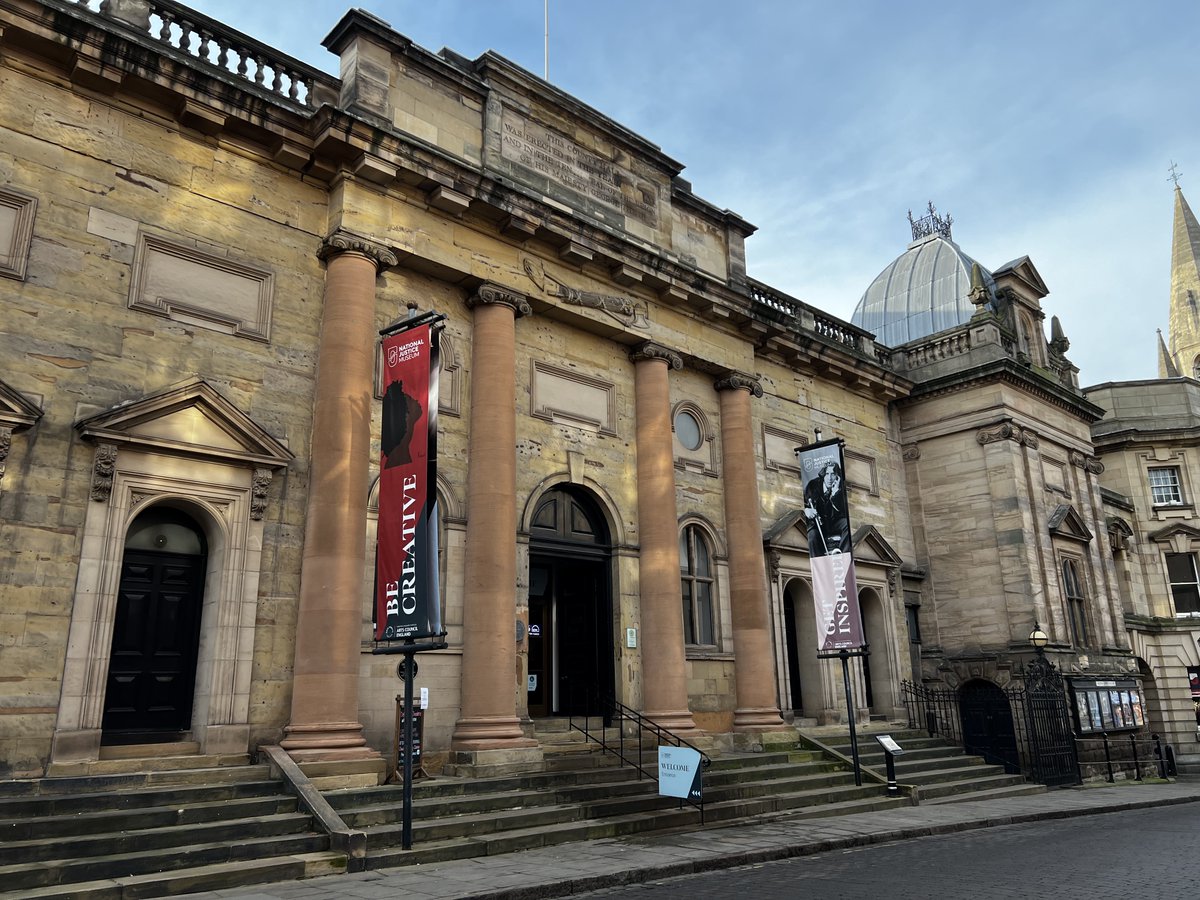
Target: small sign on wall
x: 531, y: 686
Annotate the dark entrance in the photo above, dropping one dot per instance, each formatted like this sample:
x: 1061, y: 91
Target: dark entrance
x: 987, y: 725
x: 156, y: 631
x: 570, y: 607
x: 793, y: 663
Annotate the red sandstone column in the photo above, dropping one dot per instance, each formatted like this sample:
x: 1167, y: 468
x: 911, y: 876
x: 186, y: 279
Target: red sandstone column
x: 324, y: 721
x: 754, y: 670
x: 488, y: 720
x: 664, y: 665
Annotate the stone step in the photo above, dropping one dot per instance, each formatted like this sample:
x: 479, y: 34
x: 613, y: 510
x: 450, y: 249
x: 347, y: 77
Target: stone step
x: 234, y: 847
x: 199, y: 878
x: 1020, y: 789
x: 54, y: 827
x: 17, y: 852
x: 150, y: 751
x: 122, y: 781
x: 136, y: 765
x: 39, y: 805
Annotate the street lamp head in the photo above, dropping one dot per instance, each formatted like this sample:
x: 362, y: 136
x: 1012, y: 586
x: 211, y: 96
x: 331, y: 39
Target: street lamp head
x: 1038, y: 638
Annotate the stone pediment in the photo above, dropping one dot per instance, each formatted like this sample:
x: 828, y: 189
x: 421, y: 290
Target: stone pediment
x: 1066, y: 522
x: 871, y: 546
x: 1024, y: 271
x: 16, y: 411
x: 1174, y: 534
x: 191, y: 419
x: 790, y: 533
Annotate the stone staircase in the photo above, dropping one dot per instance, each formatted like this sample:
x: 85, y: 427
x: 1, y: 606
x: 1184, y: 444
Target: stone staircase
x: 584, y: 794
x: 110, y: 836
x: 941, y: 772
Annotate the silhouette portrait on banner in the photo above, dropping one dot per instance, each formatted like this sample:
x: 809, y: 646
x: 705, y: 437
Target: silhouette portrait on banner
x: 825, y: 510
x: 401, y: 413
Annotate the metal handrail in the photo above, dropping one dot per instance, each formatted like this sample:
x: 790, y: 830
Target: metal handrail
x: 612, y: 710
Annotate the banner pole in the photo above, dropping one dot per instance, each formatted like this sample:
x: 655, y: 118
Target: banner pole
x: 844, y: 655
x: 406, y: 746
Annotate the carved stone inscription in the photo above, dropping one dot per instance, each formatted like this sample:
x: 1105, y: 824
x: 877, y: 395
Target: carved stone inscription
x: 562, y: 160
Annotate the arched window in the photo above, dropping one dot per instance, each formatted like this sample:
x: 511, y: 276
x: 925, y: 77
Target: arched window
x: 696, y: 577
x: 1076, y: 602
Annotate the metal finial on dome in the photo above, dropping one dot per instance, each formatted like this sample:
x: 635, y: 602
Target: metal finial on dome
x: 930, y: 223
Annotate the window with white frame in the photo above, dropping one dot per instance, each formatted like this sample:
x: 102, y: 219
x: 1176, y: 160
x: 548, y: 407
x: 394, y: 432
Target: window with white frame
x: 697, y: 581
x: 1185, y: 586
x: 1165, y: 488
x: 1073, y: 591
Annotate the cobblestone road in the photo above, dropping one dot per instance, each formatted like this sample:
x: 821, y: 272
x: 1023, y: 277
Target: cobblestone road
x: 1140, y: 855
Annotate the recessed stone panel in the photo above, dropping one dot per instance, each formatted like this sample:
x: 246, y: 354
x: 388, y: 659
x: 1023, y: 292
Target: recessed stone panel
x: 572, y: 398
x: 189, y: 285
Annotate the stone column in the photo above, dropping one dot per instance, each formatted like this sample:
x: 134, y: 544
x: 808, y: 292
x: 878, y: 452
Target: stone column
x: 488, y: 719
x: 664, y: 664
x: 324, y: 722
x: 757, y: 695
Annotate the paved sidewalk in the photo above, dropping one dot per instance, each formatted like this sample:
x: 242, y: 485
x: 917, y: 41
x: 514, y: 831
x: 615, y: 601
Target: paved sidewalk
x: 573, y: 868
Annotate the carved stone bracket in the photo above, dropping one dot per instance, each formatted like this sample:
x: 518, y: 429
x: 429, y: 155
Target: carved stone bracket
x: 651, y: 350
x: 5, y: 447
x: 258, y: 498
x: 1087, y: 463
x: 488, y: 293
x: 910, y: 452
x: 624, y: 310
x: 1007, y: 431
x: 103, y: 468
x: 342, y: 242
x: 893, y: 578
x: 774, y: 560
x: 737, y: 381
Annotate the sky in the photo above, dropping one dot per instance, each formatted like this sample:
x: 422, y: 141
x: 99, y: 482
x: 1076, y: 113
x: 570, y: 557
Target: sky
x: 1045, y: 129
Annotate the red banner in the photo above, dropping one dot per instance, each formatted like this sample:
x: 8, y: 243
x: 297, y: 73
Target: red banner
x: 827, y: 517
x: 407, y: 604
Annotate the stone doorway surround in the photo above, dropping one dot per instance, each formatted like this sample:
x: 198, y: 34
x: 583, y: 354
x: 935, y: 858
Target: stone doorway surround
x: 188, y: 447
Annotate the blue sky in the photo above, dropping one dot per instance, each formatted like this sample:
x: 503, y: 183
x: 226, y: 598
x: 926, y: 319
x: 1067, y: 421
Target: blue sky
x: 1044, y: 128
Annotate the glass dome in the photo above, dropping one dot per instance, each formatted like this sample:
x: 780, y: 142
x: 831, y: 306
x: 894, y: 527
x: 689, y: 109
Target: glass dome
x: 923, y: 291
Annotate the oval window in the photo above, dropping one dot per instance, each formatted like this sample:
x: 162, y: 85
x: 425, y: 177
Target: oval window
x: 687, y: 429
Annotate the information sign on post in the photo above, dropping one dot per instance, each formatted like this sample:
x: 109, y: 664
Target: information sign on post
x: 679, y: 773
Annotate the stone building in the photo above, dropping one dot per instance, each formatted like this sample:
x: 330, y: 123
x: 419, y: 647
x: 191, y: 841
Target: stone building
x: 1148, y: 441
x: 200, y: 239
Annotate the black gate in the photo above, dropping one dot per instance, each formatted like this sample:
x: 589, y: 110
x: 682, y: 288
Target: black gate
x: 1052, y: 741
x: 1024, y: 727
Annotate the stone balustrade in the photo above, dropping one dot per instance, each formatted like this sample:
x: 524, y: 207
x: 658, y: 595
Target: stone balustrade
x: 213, y: 44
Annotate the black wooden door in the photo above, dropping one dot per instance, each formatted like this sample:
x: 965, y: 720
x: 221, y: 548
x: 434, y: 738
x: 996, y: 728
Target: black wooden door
x: 987, y: 725
x: 152, y: 667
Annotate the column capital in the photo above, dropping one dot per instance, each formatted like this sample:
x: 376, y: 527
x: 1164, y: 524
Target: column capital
x: 650, y: 350
x: 488, y: 293
x: 344, y: 242
x: 735, y: 381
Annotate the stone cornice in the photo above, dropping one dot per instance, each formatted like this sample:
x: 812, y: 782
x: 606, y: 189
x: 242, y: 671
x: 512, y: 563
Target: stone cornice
x: 650, y: 350
x: 488, y: 294
x: 1009, y: 372
x: 738, y: 381
x: 343, y: 242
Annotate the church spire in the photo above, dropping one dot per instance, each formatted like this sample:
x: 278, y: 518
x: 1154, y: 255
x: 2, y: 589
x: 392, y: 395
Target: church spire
x: 1166, y: 365
x: 1184, y: 321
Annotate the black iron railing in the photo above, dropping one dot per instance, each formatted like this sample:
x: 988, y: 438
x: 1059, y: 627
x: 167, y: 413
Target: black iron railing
x: 635, y: 734
x: 1024, y: 727
x: 1132, y: 755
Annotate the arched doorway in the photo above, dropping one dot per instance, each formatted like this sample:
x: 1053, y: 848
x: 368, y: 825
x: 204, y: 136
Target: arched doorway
x: 804, y: 668
x: 570, y: 605
x: 876, y: 667
x: 156, y: 630
x: 987, y: 724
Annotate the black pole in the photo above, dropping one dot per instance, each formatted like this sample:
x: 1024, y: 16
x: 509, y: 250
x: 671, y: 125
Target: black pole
x: 406, y: 746
x: 1137, y: 763
x: 844, y: 656
x: 1107, y: 757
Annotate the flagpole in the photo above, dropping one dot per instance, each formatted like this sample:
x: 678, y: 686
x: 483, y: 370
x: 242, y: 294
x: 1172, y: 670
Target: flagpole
x: 546, y: 19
